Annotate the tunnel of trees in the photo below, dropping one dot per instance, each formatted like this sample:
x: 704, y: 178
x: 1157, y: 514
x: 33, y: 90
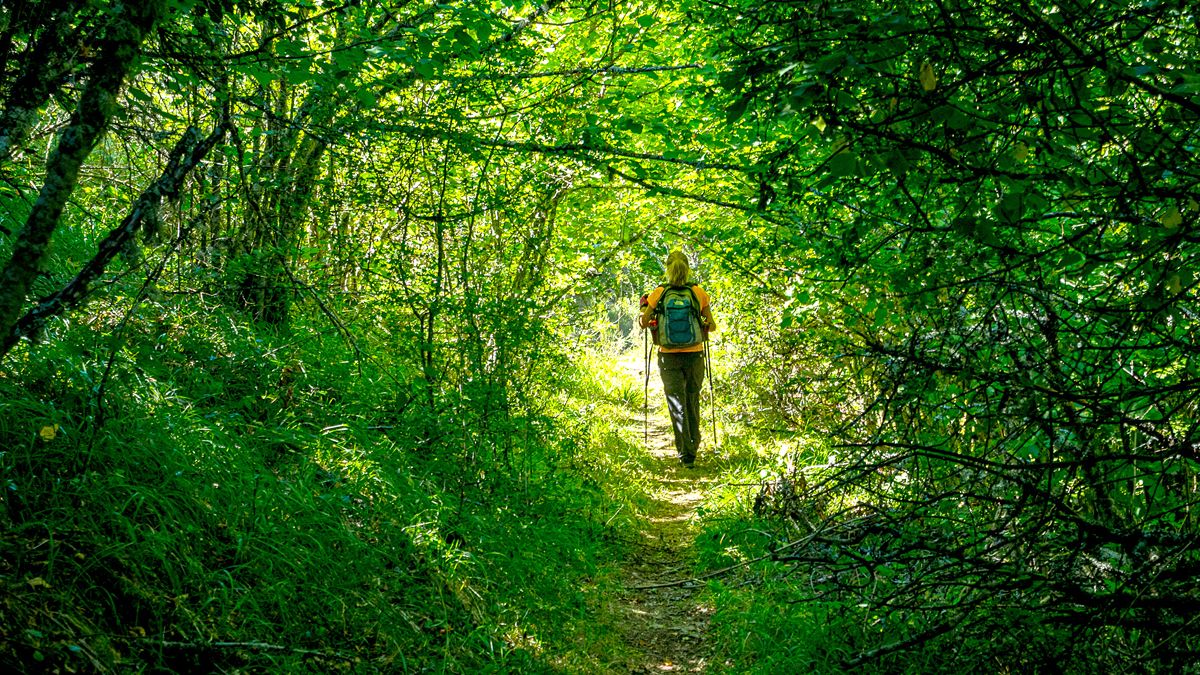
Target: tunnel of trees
x: 305, y: 309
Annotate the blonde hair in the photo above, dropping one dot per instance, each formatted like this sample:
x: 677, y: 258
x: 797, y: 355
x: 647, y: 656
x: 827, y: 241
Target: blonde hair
x: 677, y: 269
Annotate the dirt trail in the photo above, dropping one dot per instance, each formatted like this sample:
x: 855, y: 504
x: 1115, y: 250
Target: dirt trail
x: 665, y: 626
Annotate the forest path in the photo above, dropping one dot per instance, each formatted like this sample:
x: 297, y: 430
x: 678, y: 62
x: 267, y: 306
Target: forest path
x: 664, y: 627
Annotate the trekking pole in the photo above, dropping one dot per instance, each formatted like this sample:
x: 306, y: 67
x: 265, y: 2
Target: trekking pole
x: 712, y: 398
x: 646, y: 388
x: 646, y: 349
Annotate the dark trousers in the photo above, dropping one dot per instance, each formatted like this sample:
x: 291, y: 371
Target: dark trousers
x: 682, y: 377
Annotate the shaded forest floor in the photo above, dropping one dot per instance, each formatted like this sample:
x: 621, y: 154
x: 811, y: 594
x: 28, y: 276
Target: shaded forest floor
x: 663, y: 623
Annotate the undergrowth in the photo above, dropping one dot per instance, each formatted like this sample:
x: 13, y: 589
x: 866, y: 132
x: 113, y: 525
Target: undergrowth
x: 773, y: 613
x: 189, y: 493
x: 761, y: 622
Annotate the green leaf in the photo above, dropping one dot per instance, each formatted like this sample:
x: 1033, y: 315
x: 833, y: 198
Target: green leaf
x: 898, y: 163
x: 630, y: 124
x: 880, y: 316
x: 1010, y: 207
x: 830, y: 63
x: 844, y: 163
x: 140, y: 95
x: 426, y: 68
x: 802, y: 94
x: 298, y: 74
x: 464, y: 40
x: 738, y: 108
x: 483, y: 31
x: 264, y: 77
x: 958, y: 120
x: 985, y: 232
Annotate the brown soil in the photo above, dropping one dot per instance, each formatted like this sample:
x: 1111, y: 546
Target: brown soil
x: 665, y: 626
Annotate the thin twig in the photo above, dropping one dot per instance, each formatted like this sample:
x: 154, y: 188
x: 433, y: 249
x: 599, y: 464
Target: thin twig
x: 256, y: 646
x: 923, y: 636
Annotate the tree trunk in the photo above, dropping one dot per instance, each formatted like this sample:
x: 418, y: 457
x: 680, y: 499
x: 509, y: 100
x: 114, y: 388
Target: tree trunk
x: 41, y: 71
x: 189, y: 152
x: 96, y: 104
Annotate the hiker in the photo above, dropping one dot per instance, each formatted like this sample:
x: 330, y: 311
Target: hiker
x: 680, y: 328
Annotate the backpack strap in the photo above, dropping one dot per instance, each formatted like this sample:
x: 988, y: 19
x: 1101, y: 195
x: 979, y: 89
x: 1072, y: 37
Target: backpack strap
x: 658, y: 301
x: 695, y: 300
x: 691, y: 288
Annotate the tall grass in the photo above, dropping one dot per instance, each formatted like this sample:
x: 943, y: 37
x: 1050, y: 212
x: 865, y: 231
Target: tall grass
x: 231, y: 499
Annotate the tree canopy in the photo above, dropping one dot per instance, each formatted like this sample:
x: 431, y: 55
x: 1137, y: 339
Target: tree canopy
x: 354, y: 266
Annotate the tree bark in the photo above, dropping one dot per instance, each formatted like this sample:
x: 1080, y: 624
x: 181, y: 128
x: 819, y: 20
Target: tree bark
x: 189, y: 152
x: 118, y: 50
x: 42, y: 71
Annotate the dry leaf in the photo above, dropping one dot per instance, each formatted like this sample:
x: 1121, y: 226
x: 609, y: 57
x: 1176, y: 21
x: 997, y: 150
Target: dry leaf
x: 48, y: 433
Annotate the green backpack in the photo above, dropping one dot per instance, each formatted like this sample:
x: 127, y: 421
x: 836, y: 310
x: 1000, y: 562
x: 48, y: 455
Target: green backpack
x: 678, y: 315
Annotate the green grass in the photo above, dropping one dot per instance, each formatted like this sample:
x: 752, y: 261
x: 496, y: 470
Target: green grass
x: 232, y: 510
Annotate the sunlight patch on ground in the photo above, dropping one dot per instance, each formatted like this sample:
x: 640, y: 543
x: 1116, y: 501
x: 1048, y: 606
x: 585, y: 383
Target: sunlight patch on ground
x: 665, y: 624
x: 682, y: 518
x: 685, y: 498
x: 677, y: 668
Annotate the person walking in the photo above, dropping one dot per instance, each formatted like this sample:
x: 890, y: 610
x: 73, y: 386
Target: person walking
x: 680, y: 316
